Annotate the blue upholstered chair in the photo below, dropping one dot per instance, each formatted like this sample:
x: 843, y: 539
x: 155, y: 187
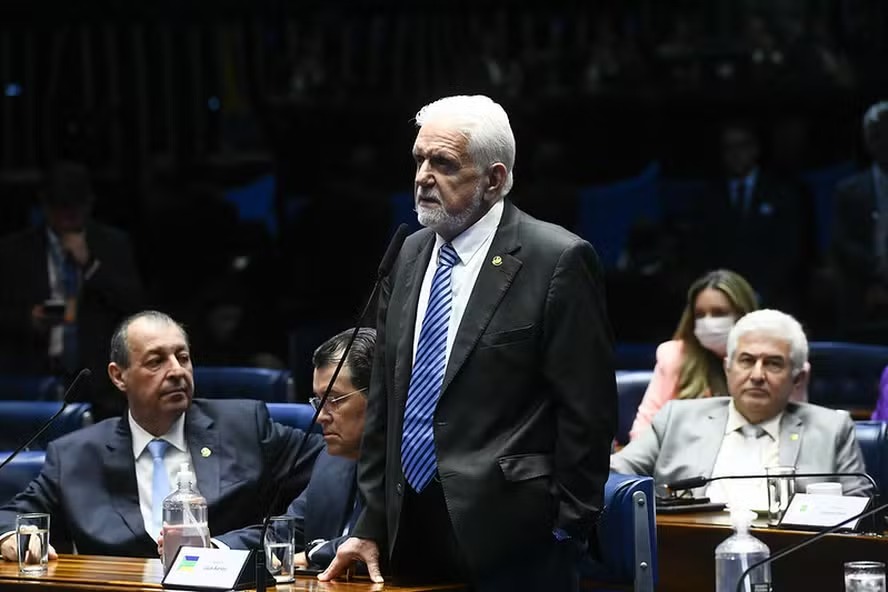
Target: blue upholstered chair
x: 19, y: 420
x: 635, y: 356
x: 630, y: 390
x: 16, y: 475
x: 845, y: 375
x: 295, y: 415
x: 226, y: 382
x: 627, y: 537
x: 873, y: 439
x: 30, y: 388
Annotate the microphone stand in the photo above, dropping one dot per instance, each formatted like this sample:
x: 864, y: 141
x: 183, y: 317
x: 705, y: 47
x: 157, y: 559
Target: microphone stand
x: 384, y: 267
x: 696, y: 482
x: 82, y: 375
x: 805, y: 543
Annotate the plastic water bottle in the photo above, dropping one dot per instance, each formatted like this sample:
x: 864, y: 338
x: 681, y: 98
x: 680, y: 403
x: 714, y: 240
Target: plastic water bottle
x: 736, y: 553
x: 184, y: 517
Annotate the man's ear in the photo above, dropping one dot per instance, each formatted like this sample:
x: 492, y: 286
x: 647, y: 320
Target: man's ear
x: 496, y: 179
x: 115, y: 373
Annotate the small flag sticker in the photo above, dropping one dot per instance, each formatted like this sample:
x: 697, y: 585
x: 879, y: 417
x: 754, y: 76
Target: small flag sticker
x: 188, y: 563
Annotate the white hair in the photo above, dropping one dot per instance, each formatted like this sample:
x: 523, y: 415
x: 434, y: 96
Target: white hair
x: 773, y: 323
x: 484, y: 123
x: 874, y: 114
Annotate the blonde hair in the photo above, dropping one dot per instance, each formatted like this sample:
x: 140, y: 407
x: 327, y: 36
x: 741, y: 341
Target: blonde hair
x: 702, y: 370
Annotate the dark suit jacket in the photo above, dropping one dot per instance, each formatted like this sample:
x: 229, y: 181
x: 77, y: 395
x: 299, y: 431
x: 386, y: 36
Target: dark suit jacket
x: 855, y: 216
x: 88, y: 482
x: 775, y: 228
x: 321, y: 511
x: 110, y: 294
x: 527, y: 410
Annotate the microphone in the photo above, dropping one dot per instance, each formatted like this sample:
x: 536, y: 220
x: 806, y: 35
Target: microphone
x: 385, y: 267
x: 806, y: 542
x: 82, y: 376
x: 695, y: 482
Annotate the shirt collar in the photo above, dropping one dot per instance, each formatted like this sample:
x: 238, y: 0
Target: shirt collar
x: 469, y: 241
x: 141, y: 438
x: 737, y: 421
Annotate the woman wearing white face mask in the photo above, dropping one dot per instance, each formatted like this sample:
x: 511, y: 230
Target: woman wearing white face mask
x: 691, y: 365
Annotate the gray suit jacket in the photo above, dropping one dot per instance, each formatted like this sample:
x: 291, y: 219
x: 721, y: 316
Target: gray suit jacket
x: 686, y: 435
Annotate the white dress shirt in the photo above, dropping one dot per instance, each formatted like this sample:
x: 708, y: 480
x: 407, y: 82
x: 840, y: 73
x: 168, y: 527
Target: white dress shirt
x: 175, y: 455
x: 471, y: 246
x: 739, y: 455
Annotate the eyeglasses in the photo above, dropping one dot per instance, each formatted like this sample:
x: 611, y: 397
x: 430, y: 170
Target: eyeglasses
x: 333, y: 403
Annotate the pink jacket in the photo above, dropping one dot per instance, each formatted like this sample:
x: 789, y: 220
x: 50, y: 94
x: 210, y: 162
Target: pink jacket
x: 664, y: 386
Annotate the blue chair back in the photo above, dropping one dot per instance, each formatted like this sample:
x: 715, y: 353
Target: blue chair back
x: 30, y: 388
x: 635, y: 356
x: 845, y: 375
x: 228, y: 382
x: 631, y: 386
x: 627, y: 536
x: 607, y: 213
x: 15, y: 476
x: 295, y: 415
x: 873, y: 439
x: 19, y: 420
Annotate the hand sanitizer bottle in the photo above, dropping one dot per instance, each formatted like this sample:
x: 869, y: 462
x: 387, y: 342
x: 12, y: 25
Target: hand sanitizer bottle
x: 184, y: 518
x: 739, y: 551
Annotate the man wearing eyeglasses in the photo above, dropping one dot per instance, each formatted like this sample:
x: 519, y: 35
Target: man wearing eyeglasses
x: 326, y: 510
x: 756, y: 427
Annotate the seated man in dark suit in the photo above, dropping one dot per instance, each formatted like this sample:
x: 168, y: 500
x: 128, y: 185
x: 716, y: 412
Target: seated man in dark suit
x: 326, y: 511
x: 97, y: 483
x: 66, y: 284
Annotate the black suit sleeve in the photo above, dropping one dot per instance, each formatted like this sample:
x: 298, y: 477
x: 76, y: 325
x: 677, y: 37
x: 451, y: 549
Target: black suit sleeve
x: 111, y: 279
x: 578, y: 365
x: 248, y: 538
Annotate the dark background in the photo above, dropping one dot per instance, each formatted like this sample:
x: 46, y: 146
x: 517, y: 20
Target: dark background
x: 192, y: 113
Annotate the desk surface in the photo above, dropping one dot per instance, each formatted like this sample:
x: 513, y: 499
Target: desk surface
x: 686, y: 553
x: 132, y: 574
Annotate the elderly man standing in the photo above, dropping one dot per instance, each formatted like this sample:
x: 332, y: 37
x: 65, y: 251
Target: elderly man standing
x: 756, y: 427
x: 492, y: 401
x: 103, y: 485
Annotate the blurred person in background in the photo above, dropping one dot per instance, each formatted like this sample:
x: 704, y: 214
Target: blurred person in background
x: 690, y: 366
x: 66, y: 283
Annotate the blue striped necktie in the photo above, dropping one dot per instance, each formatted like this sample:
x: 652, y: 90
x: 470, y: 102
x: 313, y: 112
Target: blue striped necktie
x: 417, y: 443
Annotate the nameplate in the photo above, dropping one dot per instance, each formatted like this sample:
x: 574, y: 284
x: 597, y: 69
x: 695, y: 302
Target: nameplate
x: 197, y: 568
x: 822, y: 511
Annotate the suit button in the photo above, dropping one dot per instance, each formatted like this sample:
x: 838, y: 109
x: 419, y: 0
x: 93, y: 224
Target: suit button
x: 399, y: 488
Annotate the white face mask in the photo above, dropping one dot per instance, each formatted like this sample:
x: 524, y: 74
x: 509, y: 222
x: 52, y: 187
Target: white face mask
x: 713, y: 333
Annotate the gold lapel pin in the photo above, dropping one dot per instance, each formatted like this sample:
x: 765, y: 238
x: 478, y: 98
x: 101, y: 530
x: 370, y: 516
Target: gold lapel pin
x: 497, y: 261
x: 794, y: 437
x: 205, y: 452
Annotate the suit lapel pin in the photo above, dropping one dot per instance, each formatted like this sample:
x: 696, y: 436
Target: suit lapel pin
x: 497, y: 261
x: 794, y: 437
x: 205, y: 452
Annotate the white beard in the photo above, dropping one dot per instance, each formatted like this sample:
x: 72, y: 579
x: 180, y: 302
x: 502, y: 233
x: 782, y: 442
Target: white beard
x: 442, y: 222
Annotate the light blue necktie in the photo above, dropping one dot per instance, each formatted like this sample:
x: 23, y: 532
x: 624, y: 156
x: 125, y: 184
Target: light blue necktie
x: 160, y: 483
x: 417, y: 442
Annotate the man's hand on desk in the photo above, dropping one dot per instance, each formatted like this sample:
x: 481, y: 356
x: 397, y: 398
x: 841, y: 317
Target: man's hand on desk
x: 354, y: 549
x: 300, y: 560
x: 8, y: 550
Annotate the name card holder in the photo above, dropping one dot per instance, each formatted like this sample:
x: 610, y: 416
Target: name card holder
x: 822, y: 511
x: 198, y: 568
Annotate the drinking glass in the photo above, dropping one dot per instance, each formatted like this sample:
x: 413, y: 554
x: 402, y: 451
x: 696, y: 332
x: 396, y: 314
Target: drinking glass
x: 32, y: 541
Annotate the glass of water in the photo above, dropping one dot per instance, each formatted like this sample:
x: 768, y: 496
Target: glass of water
x: 865, y: 576
x: 279, y: 547
x: 32, y: 538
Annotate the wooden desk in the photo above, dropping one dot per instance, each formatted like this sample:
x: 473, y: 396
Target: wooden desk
x: 128, y: 574
x: 686, y: 553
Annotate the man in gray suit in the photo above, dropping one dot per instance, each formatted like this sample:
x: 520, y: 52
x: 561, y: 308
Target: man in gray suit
x: 755, y: 427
